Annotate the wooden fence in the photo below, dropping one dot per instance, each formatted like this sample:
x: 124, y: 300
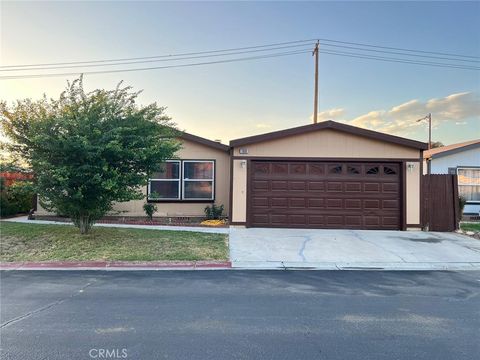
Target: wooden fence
x: 440, y: 208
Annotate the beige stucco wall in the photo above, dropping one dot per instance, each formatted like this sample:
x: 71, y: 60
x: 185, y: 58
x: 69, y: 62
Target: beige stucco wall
x: 239, y: 192
x: 328, y: 143
x: 413, y: 192
x: 193, y: 151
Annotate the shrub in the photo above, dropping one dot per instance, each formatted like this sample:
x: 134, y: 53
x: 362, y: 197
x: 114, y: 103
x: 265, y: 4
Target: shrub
x: 17, y: 198
x: 461, y: 205
x: 149, y: 209
x: 214, y: 212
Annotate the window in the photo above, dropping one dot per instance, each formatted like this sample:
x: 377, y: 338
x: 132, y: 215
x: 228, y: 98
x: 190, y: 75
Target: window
x: 180, y: 180
x: 469, y: 183
x: 372, y: 170
x: 165, y: 184
x: 387, y: 170
x: 198, y: 180
x: 335, y: 169
x: 353, y: 170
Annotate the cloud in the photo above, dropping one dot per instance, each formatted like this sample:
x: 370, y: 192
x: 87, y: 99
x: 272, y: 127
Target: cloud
x: 401, y: 119
x: 332, y: 114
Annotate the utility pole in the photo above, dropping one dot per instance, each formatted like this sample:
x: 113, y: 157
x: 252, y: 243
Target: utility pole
x: 315, y: 100
x: 429, y: 118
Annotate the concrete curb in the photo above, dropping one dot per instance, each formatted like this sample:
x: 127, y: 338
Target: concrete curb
x: 391, y: 266
x: 117, y: 265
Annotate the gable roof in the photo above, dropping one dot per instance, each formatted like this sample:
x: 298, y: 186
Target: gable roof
x: 203, y: 141
x: 451, y: 149
x: 330, y: 125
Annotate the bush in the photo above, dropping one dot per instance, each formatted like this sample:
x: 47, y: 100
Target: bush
x: 214, y: 212
x: 17, y: 198
x: 149, y: 209
x: 461, y: 205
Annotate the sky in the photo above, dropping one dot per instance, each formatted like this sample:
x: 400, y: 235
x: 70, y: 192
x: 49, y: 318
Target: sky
x: 232, y: 100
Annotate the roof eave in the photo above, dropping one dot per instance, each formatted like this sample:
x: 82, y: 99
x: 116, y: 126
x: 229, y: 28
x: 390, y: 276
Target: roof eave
x: 203, y: 141
x: 330, y: 125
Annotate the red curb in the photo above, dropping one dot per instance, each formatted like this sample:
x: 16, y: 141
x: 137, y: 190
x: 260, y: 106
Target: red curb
x: 117, y: 265
x: 203, y: 264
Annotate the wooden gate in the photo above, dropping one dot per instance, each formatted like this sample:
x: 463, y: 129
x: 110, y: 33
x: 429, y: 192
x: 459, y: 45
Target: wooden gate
x: 440, y: 209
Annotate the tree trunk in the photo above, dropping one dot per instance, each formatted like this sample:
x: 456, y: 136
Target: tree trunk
x: 84, y: 224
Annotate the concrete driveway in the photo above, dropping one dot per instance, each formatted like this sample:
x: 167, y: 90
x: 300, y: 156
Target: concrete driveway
x: 352, y: 249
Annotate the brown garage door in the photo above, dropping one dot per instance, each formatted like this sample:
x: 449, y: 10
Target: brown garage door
x: 324, y: 195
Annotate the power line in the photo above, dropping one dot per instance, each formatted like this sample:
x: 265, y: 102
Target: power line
x: 400, y: 53
x: 401, y: 49
x: 226, y: 54
x: 300, y: 51
x: 156, y: 60
x: 416, y: 62
x: 165, y: 56
x: 154, y: 67
x: 323, y: 41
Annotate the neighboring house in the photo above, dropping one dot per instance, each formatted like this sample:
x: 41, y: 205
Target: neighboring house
x: 325, y: 175
x: 462, y: 159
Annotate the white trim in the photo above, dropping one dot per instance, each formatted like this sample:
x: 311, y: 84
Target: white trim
x: 198, y: 180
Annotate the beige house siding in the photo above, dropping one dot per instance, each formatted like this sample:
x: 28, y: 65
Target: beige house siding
x: 413, y: 192
x: 239, y: 191
x: 192, y: 151
x: 327, y: 143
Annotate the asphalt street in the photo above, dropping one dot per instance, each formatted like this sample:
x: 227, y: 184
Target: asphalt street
x: 240, y: 315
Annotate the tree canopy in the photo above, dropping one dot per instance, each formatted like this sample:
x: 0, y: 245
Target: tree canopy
x: 89, y: 150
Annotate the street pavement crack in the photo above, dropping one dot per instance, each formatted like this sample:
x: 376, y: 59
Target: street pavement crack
x: 44, y: 308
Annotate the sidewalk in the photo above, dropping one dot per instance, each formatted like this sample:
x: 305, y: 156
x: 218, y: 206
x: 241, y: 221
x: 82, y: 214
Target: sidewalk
x: 212, y: 230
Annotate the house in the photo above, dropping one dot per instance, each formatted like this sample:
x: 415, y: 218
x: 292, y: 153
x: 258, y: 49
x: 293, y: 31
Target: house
x: 325, y: 175
x: 462, y: 159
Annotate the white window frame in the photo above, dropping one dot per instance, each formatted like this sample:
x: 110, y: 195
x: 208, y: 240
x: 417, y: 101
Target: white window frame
x: 178, y: 180
x: 212, y: 179
x: 472, y: 184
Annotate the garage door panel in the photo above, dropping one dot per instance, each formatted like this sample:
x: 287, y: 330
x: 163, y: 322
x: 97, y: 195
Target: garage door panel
x: 334, y: 186
x: 260, y: 202
x: 279, y: 218
x: 297, y: 185
x: 325, y: 194
x: 316, y: 186
x: 371, y: 187
x: 334, y: 203
x: 279, y: 202
x: 353, y: 204
x: 353, y: 187
x: 316, y: 203
x: 353, y: 221
x: 279, y: 185
x: 297, y: 203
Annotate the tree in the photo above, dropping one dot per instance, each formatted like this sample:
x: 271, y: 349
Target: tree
x: 437, y: 144
x: 89, y: 150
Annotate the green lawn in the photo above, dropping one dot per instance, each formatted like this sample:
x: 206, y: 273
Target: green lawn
x: 470, y: 227
x: 34, y: 242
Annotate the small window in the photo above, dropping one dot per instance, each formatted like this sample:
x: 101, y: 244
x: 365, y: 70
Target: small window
x: 353, y: 170
x: 335, y: 169
x: 198, y: 180
x: 389, y: 171
x: 165, y: 184
x: 372, y: 170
